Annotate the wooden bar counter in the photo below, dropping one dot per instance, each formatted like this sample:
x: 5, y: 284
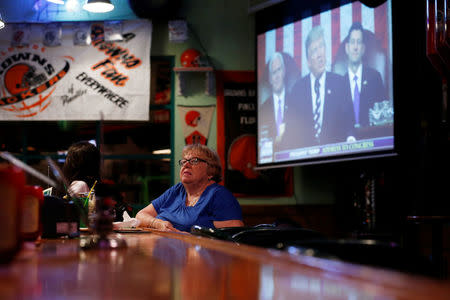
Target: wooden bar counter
x: 158, y: 265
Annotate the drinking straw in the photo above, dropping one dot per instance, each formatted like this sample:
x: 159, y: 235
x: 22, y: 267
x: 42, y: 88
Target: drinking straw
x: 89, y: 194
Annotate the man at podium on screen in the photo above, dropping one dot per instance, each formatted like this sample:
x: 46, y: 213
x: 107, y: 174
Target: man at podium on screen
x: 320, y: 109
x: 363, y: 82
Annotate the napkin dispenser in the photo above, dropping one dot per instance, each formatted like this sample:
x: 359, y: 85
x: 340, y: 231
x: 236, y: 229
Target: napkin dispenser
x: 60, y: 218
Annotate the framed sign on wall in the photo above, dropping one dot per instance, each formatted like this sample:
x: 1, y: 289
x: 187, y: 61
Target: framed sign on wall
x: 236, y: 139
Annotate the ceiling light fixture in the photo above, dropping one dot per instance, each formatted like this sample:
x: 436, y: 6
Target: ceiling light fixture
x: 2, y: 23
x: 56, y: 1
x: 72, y: 5
x: 98, y: 6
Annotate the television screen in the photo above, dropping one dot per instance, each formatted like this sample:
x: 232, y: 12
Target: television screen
x: 325, y: 87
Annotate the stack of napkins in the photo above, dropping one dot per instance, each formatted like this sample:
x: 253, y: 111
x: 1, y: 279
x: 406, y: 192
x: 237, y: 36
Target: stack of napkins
x: 128, y: 223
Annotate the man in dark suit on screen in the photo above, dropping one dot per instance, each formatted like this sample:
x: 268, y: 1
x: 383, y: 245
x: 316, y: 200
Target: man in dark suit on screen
x: 273, y: 110
x: 320, y: 109
x: 363, y: 82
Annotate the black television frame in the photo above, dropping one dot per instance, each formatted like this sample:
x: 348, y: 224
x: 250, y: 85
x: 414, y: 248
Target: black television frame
x: 290, y: 11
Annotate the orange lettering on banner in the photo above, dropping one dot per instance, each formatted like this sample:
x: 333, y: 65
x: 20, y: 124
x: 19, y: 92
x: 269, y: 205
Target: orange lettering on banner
x: 111, y: 73
x: 27, y: 94
x: 61, y: 74
x: 11, y: 100
x: 115, y: 77
x: 118, y: 53
x: 53, y: 80
x: 104, y: 63
x: 41, y: 88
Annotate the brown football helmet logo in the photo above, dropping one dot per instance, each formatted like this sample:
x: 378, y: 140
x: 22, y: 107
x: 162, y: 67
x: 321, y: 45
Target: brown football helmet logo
x: 21, y: 77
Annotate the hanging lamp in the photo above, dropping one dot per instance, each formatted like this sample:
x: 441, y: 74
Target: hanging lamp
x: 2, y: 23
x: 56, y: 1
x: 98, y: 6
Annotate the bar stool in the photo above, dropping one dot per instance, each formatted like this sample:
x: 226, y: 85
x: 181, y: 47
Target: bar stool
x: 262, y: 235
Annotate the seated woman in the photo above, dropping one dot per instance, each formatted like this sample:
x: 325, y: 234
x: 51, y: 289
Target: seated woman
x: 82, y: 167
x: 82, y: 170
x: 197, y: 199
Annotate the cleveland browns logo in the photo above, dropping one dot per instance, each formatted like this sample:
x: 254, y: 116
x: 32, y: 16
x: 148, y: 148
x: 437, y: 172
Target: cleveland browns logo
x: 21, y: 77
x: 192, y: 118
x: 28, y: 80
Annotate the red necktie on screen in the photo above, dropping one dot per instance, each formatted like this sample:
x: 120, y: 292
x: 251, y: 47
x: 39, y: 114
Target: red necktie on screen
x: 279, y: 117
x: 356, y: 100
x: 317, y: 126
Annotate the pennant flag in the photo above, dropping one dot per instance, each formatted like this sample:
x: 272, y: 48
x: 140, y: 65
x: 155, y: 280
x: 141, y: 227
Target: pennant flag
x: 196, y: 121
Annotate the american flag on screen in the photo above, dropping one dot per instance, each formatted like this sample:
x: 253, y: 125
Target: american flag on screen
x: 335, y: 23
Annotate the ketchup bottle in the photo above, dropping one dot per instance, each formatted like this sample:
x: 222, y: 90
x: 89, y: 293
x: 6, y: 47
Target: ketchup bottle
x: 12, y: 183
x: 31, y: 218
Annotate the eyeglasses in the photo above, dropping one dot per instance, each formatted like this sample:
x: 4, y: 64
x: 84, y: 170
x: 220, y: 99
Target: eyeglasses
x: 193, y: 161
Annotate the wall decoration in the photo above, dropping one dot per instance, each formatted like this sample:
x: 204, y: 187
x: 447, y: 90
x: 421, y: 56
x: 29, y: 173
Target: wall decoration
x: 196, y: 123
x: 72, y: 82
x: 113, y: 31
x: 178, y: 31
x: 52, y: 35
x: 20, y: 35
x: 236, y: 139
x: 82, y: 34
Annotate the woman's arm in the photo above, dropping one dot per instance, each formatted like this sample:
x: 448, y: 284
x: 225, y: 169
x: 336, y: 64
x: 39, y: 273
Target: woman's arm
x: 228, y: 223
x: 226, y: 207
x: 147, y: 216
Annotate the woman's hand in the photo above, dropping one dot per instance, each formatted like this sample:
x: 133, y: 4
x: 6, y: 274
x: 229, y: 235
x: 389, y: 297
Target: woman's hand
x: 163, y: 225
x: 147, y: 218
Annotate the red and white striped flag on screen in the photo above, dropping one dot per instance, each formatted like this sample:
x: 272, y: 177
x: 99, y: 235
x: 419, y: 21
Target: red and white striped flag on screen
x: 335, y: 23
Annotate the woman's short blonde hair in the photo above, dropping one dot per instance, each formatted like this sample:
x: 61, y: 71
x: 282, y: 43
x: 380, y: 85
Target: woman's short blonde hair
x: 208, y: 154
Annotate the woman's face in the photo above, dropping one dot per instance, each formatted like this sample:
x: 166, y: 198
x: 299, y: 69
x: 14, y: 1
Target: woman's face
x: 194, y: 173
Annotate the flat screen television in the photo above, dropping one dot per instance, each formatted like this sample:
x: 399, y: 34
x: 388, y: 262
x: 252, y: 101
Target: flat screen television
x: 324, y: 82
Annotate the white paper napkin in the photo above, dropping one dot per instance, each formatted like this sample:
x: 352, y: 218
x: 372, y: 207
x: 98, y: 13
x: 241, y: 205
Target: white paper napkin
x: 127, y: 223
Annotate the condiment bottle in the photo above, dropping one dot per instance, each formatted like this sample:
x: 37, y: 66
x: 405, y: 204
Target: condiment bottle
x: 12, y: 182
x: 31, y: 216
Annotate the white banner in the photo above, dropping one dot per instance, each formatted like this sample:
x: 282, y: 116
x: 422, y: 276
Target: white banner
x: 80, y: 77
x: 196, y: 121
